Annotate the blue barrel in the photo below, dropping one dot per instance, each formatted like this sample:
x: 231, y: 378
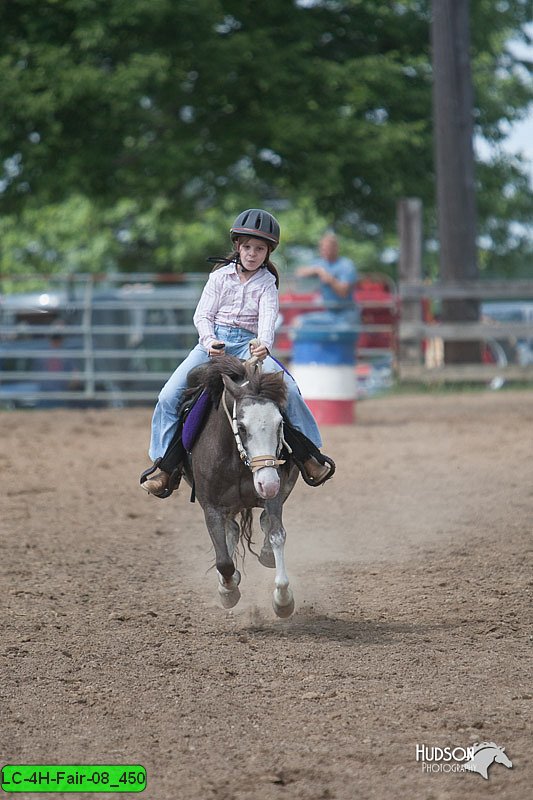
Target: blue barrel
x: 323, y: 365
x: 312, y: 345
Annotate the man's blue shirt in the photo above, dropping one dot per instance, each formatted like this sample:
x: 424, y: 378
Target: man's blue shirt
x: 343, y: 269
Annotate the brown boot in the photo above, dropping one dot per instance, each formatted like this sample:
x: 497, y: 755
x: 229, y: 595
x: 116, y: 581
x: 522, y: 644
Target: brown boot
x: 158, y: 484
x: 316, y: 471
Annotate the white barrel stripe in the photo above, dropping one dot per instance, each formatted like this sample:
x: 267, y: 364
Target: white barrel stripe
x: 323, y: 382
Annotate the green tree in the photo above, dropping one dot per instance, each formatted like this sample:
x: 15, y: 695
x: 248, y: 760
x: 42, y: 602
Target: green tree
x: 167, y: 117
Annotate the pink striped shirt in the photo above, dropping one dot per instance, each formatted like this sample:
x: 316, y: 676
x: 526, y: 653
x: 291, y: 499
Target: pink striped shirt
x: 252, y: 305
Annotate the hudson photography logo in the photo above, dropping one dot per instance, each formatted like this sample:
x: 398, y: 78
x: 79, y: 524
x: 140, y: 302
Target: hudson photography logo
x: 475, y: 758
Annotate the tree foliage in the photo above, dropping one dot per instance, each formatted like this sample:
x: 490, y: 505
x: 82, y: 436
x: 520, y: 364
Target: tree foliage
x: 132, y: 130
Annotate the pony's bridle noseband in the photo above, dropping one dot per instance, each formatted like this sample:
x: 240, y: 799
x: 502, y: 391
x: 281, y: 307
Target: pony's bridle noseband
x: 256, y: 462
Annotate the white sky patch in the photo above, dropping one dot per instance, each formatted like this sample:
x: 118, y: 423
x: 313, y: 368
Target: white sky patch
x: 520, y: 136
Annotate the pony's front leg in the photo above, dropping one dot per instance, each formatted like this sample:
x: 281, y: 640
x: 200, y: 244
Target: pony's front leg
x: 228, y: 577
x: 282, y: 598
x: 232, y: 536
x: 266, y: 556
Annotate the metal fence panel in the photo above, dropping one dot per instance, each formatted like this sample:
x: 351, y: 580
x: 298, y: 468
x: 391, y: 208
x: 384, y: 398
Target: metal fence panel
x: 110, y: 340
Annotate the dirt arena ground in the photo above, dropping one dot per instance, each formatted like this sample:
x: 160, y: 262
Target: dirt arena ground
x: 412, y: 577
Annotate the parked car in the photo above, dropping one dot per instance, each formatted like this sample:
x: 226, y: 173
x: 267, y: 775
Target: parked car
x: 518, y: 349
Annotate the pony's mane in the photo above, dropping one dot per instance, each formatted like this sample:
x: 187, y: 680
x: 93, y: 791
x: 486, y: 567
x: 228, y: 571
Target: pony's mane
x: 261, y: 385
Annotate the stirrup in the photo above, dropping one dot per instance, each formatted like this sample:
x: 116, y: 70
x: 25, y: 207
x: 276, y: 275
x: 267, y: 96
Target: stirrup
x: 173, y: 481
x: 322, y: 459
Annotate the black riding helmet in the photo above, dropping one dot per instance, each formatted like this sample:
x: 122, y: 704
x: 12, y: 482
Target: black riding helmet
x: 258, y: 223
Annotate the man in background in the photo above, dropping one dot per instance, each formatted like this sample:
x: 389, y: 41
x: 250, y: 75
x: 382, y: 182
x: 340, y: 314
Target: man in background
x: 337, y: 276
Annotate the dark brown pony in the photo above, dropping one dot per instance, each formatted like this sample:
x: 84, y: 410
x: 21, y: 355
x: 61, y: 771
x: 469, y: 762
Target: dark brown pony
x: 235, y: 466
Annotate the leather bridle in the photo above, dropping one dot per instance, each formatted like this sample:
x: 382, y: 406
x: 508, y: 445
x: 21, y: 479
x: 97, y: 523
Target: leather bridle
x: 256, y: 462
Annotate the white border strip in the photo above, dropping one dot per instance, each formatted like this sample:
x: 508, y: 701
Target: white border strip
x: 319, y: 382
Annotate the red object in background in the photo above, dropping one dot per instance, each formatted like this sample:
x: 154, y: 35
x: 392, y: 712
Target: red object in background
x: 307, y: 301
x: 379, y: 304
x: 332, y: 412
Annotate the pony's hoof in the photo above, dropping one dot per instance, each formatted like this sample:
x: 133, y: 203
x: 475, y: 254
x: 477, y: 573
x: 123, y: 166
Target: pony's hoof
x: 266, y: 558
x: 283, y: 611
x: 229, y: 592
x: 229, y: 599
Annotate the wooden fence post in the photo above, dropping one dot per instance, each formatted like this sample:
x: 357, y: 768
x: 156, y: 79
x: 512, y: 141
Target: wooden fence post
x: 454, y: 164
x: 409, y: 220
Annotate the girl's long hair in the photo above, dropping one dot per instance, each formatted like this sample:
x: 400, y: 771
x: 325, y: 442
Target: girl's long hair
x: 234, y: 256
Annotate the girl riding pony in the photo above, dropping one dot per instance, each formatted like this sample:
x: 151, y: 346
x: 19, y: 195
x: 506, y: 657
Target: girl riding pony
x: 239, y: 304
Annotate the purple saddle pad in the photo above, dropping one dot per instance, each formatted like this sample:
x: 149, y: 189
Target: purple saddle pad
x: 195, y: 420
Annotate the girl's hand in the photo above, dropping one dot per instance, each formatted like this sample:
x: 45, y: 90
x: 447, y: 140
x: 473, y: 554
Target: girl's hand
x: 216, y: 348
x: 259, y: 351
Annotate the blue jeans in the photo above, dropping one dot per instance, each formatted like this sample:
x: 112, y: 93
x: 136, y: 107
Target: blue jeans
x: 165, y: 417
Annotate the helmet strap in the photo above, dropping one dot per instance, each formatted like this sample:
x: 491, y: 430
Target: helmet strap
x: 238, y: 263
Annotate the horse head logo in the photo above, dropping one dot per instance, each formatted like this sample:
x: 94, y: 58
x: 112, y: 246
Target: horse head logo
x: 484, y: 754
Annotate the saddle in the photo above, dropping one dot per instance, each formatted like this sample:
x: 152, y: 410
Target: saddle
x: 194, y: 415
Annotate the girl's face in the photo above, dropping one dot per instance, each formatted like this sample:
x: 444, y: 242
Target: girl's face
x: 253, y: 253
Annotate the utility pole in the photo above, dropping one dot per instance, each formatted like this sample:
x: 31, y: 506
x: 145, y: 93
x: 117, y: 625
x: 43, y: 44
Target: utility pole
x: 454, y: 162
x: 409, y: 219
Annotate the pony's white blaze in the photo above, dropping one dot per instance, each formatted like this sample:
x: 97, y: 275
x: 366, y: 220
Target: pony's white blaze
x: 262, y: 425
